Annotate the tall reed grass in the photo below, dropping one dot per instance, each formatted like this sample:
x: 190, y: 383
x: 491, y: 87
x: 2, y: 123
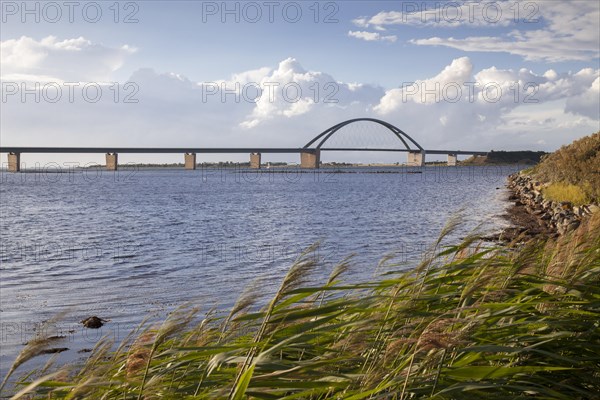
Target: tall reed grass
x: 468, y: 322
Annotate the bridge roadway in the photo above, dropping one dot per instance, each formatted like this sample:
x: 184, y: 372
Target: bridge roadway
x: 209, y: 150
x: 309, y: 157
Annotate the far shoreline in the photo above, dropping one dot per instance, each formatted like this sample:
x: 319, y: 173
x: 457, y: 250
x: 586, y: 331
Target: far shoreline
x: 54, y: 168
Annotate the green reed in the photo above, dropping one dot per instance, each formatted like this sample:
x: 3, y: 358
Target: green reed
x: 468, y: 322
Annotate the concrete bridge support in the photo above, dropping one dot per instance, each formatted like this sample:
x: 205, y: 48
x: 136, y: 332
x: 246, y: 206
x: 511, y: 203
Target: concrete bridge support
x: 190, y: 161
x: 255, y: 160
x: 112, y: 161
x: 416, y: 158
x: 452, y: 160
x: 310, y: 159
x: 14, y: 162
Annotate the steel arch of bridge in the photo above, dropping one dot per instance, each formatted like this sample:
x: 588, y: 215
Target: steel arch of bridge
x: 402, y: 136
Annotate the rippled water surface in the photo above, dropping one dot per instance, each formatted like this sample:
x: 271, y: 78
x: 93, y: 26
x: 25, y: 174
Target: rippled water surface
x: 135, y: 243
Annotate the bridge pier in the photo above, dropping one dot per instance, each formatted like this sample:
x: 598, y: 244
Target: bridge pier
x: 452, y: 158
x: 190, y: 161
x: 14, y: 162
x: 310, y: 159
x: 416, y: 158
x: 112, y: 162
x: 255, y: 160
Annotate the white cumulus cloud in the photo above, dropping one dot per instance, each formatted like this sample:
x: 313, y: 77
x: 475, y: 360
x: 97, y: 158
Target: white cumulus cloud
x: 483, y: 107
x: 51, y: 59
x: 372, y: 36
x: 291, y: 91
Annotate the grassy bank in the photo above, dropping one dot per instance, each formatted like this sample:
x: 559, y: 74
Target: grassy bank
x: 573, y: 172
x: 467, y: 322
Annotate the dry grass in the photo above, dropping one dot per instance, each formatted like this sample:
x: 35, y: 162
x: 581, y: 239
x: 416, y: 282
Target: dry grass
x: 566, y: 192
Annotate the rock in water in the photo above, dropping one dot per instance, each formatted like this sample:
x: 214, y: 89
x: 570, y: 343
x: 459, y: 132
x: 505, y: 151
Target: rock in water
x: 54, y: 350
x: 93, y: 322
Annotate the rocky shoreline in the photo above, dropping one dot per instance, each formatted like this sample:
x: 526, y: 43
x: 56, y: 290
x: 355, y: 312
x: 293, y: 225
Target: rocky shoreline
x: 533, y: 215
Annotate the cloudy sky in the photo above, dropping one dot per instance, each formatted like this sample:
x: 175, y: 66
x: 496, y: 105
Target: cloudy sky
x: 485, y: 75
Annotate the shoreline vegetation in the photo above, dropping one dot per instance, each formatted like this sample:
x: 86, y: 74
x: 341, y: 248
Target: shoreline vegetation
x: 506, y: 158
x: 515, y: 320
x: 554, y: 196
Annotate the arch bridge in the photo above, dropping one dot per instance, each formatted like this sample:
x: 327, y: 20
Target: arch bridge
x: 310, y: 153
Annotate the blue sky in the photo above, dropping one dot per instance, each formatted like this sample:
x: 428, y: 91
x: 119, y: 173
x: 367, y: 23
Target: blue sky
x: 367, y: 49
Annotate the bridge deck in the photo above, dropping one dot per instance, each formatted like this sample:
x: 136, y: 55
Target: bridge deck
x: 207, y: 150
